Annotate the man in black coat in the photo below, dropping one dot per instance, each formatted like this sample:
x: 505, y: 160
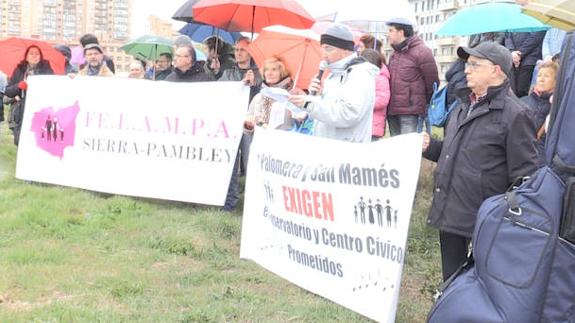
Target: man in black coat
x: 186, y: 68
x: 488, y: 144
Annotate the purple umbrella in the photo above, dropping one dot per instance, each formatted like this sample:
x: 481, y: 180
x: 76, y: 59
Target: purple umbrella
x: 77, y: 56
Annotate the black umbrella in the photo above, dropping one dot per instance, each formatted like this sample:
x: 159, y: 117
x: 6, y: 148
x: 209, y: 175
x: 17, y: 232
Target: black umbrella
x: 185, y: 13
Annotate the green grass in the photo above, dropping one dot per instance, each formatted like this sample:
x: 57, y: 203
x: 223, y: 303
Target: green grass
x: 69, y: 255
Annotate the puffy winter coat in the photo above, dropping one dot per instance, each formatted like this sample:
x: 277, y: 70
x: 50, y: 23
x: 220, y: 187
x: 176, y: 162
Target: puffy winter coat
x: 382, y: 94
x: 345, y: 108
x: 413, y: 72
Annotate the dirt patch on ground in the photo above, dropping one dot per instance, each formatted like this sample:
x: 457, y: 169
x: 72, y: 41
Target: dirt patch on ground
x: 11, y: 304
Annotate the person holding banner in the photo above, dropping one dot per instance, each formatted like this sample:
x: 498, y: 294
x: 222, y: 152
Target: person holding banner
x: 32, y: 64
x: 343, y: 106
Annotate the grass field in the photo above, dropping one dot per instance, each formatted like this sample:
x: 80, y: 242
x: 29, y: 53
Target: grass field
x: 68, y: 255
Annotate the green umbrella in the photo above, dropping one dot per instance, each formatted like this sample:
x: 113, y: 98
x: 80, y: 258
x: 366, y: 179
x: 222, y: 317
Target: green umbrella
x: 149, y: 47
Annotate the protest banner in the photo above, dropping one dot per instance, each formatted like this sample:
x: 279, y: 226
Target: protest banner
x: 174, y: 141
x: 332, y: 216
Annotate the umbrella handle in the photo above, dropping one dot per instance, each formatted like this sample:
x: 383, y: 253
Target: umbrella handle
x: 253, y: 21
x: 154, y: 59
x: 300, y: 65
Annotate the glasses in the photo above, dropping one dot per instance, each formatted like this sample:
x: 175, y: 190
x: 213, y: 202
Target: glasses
x: 473, y: 65
x: 183, y: 56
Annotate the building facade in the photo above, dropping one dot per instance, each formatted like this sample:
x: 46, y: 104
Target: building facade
x: 430, y: 15
x: 65, y: 21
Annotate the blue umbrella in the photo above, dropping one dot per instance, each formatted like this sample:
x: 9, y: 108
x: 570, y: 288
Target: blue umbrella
x: 199, y: 32
x: 490, y: 17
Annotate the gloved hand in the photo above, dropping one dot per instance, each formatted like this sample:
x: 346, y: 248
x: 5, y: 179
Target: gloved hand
x: 23, y: 85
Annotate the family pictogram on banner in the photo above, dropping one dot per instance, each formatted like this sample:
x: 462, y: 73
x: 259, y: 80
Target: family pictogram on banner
x: 375, y: 213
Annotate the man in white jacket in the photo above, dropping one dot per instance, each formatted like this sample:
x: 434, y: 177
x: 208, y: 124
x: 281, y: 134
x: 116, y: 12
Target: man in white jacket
x: 343, y: 106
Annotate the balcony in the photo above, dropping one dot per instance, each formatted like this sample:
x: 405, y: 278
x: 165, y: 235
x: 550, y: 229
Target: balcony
x: 447, y: 41
x: 449, y: 5
x: 445, y: 59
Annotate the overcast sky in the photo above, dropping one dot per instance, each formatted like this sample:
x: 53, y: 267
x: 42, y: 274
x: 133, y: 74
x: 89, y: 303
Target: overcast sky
x: 165, y: 8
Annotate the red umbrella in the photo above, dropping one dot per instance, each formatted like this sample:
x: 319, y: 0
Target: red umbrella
x: 13, y: 49
x: 298, y: 49
x: 251, y: 15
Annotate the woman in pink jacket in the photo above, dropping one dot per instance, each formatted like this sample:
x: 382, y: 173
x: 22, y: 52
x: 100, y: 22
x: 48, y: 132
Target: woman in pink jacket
x: 382, y: 92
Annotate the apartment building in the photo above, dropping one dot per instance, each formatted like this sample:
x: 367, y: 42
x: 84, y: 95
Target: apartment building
x: 430, y: 15
x: 161, y: 27
x: 65, y: 21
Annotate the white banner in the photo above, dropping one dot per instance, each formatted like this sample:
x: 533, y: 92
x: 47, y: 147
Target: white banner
x: 174, y: 141
x: 331, y: 216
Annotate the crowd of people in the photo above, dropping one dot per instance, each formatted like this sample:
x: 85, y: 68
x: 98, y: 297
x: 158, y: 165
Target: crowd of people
x: 502, y: 82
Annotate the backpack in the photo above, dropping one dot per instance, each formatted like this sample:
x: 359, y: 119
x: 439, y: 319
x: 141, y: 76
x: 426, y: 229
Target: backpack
x: 523, y: 264
x: 437, y: 110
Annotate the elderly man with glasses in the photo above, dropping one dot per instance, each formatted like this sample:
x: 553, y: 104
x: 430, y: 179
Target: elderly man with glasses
x: 488, y: 144
x: 186, y: 68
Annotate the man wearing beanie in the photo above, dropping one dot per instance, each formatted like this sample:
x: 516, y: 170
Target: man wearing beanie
x: 95, y: 65
x: 413, y: 72
x: 488, y: 144
x: 343, y: 106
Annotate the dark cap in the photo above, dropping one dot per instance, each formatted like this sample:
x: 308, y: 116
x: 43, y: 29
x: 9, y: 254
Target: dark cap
x: 490, y: 51
x: 65, y: 50
x: 93, y: 46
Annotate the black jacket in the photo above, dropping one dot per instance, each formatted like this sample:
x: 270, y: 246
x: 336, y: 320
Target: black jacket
x: 480, y: 156
x: 162, y: 75
x: 529, y: 44
x: 195, y: 74
x: 19, y: 74
x: 456, y: 80
x: 538, y: 107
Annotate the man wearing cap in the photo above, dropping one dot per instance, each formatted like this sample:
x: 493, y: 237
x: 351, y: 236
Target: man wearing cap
x: 343, y: 106
x: 65, y: 50
x: 488, y: 144
x: 94, y: 62
x: 413, y: 73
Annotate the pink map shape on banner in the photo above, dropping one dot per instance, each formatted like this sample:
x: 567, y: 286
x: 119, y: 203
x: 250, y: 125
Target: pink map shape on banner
x: 55, y: 130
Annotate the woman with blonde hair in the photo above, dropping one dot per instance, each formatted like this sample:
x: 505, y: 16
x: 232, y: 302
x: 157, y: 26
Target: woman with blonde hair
x: 275, y: 75
x: 539, y: 102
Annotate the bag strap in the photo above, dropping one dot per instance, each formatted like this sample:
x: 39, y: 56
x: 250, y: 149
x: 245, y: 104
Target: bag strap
x: 511, y: 195
x: 468, y: 263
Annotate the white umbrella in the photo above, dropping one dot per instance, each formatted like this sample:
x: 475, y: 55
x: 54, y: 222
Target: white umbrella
x: 370, y: 11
